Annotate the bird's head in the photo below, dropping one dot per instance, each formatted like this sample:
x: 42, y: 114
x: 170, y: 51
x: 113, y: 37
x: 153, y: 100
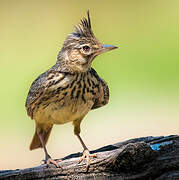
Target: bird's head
x: 81, y: 47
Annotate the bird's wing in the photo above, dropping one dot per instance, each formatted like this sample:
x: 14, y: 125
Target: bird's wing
x: 36, y: 90
x: 41, y: 88
x: 103, y: 98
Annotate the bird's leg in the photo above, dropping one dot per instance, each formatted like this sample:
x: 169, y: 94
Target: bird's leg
x: 86, y: 153
x: 48, y: 158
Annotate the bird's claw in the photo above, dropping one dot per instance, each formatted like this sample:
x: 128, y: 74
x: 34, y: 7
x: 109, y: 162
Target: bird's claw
x: 87, y: 155
x: 51, y: 161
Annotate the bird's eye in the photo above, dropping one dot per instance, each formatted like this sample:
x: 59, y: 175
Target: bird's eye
x: 86, y: 48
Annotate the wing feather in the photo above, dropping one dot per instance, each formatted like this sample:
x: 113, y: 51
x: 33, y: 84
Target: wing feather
x: 103, y: 90
x: 36, y: 90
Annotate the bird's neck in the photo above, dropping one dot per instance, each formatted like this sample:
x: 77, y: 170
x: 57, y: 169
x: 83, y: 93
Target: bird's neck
x: 61, y: 65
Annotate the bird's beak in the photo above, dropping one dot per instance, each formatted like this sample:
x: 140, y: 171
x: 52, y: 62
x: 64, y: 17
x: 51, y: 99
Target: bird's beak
x: 102, y: 49
x: 106, y: 48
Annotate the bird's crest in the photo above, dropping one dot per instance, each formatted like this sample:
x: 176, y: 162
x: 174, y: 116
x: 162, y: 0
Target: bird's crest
x: 84, y: 28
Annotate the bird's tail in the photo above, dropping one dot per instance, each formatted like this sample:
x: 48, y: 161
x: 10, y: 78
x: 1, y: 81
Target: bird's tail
x: 36, y: 143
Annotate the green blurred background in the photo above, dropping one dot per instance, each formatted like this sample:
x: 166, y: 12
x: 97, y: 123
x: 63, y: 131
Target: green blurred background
x: 143, y: 75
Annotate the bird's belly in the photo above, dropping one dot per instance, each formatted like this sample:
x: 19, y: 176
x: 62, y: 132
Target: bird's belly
x: 57, y: 113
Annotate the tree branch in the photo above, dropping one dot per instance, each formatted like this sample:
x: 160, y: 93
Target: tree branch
x: 140, y: 158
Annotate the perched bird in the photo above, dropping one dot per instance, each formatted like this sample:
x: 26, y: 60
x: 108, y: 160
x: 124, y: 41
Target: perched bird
x: 68, y: 90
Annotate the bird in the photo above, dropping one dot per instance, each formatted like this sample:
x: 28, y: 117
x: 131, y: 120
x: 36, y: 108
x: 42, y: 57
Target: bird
x: 68, y: 90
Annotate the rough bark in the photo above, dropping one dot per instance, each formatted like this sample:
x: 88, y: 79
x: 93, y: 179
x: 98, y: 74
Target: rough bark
x: 145, y: 158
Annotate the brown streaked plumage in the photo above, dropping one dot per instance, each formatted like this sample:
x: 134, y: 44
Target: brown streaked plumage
x: 68, y: 90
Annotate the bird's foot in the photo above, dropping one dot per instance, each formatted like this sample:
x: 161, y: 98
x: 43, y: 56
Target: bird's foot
x: 48, y: 160
x: 51, y: 161
x: 87, y: 155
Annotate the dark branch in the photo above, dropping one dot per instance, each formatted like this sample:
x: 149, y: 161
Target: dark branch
x: 141, y: 158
